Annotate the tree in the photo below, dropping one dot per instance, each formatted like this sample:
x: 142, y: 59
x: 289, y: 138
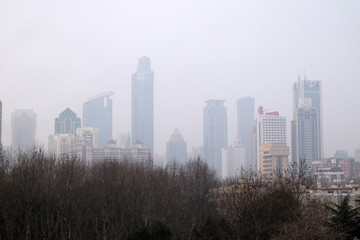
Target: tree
x: 345, y: 219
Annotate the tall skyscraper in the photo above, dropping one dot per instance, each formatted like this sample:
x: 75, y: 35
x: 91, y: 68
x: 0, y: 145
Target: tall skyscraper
x: 233, y: 160
x: 97, y: 113
x: 67, y: 122
x: 245, y: 121
x: 176, y: 148
x: 310, y: 92
x: 306, y: 127
x: 0, y: 123
x: 270, y: 128
x: 215, y: 133
x: 23, y: 124
x: 305, y: 140
x: 142, y: 104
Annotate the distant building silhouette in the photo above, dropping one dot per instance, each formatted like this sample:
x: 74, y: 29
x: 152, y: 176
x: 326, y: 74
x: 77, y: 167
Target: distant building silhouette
x: 176, y: 148
x: 142, y: 104
x: 97, y: 113
x: 123, y: 140
x: 215, y: 133
x: 233, y: 160
x: 67, y: 122
x: 245, y: 121
x: 87, y: 138
x: 23, y: 124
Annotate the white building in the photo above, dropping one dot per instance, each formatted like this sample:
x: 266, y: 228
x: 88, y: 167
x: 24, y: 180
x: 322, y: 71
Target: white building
x: 62, y: 145
x: 87, y: 139
x: 270, y: 128
x: 233, y: 160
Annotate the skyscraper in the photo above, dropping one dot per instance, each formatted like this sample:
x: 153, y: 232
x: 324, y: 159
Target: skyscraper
x: 233, y: 160
x: 306, y: 127
x: 305, y: 144
x: 309, y: 92
x: 176, y: 148
x: 67, y: 122
x: 142, y: 104
x: 23, y: 124
x: 270, y: 128
x: 245, y: 120
x: 97, y: 113
x: 215, y: 133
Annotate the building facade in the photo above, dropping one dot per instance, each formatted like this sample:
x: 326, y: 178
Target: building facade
x: 142, y: 104
x: 97, y: 113
x: 245, y: 120
x: 67, y: 122
x: 215, y: 133
x: 23, y: 124
x: 270, y: 128
x: 176, y: 148
x: 307, y: 93
x: 87, y: 139
x: 273, y: 159
x: 305, y: 141
x: 233, y: 160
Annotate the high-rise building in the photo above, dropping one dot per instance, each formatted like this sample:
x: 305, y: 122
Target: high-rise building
x: 23, y: 124
x: 215, y: 133
x: 305, y: 131
x: 97, y: 113
x: 123, y: 140
x: 176, y: 148
x: 67, y: 122
x: 245, y: 120
x: 87, y: 139
x: 62, y: 145
x: 270, y: 128
x: 273, y: 159
x: 142, y: 104
x: 0, y: 123
x: 310, y: 93
x: 233, y: 160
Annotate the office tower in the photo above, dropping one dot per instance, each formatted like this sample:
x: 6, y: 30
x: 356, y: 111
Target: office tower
x: 0, y: 123
x: 310, y: 92
x: 270, y: 128
x: 233, y: 160
x: 23, y: 124
x: 305, y: 140
x: 97, y: 113
x: 176, y: 148
x: 67, y: 122
x: 197, y: 152
x: 245, y: 120
x: 215, y: 133
x: 142, y: 104
x: 273, y: 159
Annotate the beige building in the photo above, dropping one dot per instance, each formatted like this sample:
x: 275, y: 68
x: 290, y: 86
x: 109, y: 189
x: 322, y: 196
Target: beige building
x: 273, y: 157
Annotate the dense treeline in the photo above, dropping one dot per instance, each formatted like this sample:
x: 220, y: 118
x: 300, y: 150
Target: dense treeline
x: 42, y: 198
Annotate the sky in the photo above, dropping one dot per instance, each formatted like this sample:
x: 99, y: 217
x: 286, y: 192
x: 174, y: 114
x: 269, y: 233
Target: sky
x: 56, y: 54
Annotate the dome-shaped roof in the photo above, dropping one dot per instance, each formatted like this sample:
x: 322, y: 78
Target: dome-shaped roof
x: 176, y: 136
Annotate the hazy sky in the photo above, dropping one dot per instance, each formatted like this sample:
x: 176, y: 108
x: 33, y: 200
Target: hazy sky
x: 56, y: 54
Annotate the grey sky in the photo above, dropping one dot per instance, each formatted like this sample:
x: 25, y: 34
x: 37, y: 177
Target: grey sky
x: 54, y: 55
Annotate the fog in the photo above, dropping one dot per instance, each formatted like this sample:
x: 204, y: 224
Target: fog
x: 55, y: 55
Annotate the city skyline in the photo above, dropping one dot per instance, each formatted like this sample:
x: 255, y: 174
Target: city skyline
x: 199, y: 50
